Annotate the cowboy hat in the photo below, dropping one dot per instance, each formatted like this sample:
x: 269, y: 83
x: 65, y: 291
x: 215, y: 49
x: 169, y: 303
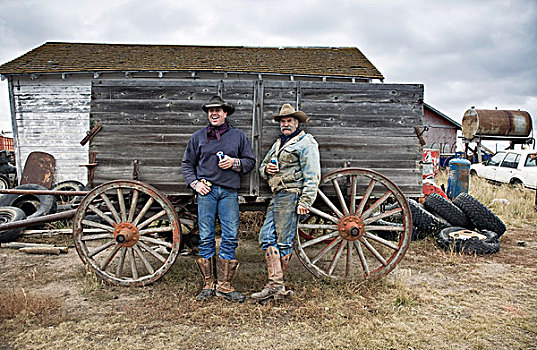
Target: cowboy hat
x: 288, y: 111
x: 217, y: 101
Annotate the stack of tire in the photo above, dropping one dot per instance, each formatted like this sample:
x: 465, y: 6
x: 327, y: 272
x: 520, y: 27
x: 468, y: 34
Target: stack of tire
x: 462, y: 225
x: 15, y: 207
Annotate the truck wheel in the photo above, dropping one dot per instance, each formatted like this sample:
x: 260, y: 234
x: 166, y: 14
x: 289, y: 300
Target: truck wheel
x: 444, y: 208
x: 482, y: 217
x: 7, y: 215
x: 461, y: 240
x: 424, y: 221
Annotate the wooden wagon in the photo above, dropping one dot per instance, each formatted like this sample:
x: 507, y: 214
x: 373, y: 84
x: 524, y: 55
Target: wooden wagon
x: 129, y: 231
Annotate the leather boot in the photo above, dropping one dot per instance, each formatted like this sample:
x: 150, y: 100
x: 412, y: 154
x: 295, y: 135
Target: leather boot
x: 275, y: 275
x: 226, y: 272
x: 207, y: 269
x: 285, y: 261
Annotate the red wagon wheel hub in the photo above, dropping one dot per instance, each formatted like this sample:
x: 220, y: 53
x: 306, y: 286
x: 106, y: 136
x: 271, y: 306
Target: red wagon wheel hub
x: 126, y: 234
x: 351, y: 227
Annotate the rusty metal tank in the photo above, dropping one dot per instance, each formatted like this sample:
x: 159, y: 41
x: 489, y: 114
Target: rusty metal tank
x: 495, y: 123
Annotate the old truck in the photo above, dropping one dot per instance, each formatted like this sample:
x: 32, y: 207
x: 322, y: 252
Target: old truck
x: 128, y: 227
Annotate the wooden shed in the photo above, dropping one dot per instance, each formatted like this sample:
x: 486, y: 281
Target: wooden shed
x: 50, y: 87
x: 440, y: 131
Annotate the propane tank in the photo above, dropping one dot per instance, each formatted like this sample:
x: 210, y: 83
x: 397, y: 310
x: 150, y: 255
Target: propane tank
x: 459, y: 177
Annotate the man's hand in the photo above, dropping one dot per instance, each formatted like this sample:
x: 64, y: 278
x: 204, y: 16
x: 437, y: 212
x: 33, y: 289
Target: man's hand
x: 271, y: 168
x: 202, y: 188
x: 226, y: 163
x: 302, y: 210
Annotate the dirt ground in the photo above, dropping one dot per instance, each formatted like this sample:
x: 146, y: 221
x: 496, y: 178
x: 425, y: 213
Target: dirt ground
x: 432, y: 300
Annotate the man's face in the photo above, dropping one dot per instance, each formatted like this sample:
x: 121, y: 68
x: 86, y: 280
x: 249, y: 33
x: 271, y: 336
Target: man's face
x: 217, y: 116
x: 288, y: 125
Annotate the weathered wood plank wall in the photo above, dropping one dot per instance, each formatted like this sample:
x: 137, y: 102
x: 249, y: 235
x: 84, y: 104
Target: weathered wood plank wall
x: 52, y: 116
x: 362, y: 125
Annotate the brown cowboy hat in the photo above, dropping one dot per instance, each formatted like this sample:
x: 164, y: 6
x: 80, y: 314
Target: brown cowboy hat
x: 217, y: 101
x: 288, y: 111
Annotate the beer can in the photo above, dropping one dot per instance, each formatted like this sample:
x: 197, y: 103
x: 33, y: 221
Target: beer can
x: 274, y: 161
x: 220, y: 155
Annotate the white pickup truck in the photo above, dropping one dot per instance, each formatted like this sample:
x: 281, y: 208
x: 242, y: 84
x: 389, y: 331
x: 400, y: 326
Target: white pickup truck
x: 510, y: 166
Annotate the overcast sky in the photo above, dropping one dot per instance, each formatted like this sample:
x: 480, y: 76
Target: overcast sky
x: 466, y: 53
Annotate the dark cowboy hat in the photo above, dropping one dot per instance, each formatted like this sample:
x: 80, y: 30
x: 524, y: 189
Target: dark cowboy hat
x: 288, y: 111
x: 216, y: 101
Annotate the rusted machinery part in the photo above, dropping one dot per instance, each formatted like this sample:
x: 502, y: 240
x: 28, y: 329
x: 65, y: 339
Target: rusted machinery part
x: 38, y: 220
x: 131, y: 250
x: 339, y: 238
x: 45, y: 192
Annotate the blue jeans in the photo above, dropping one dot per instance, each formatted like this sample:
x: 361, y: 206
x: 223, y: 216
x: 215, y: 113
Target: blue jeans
x: 225, y: 203
x: 280, y: 223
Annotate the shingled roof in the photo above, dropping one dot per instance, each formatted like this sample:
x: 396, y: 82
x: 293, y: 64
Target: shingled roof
x: 60, y: 57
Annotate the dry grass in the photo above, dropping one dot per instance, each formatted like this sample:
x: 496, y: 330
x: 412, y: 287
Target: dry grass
x: 432, y: 300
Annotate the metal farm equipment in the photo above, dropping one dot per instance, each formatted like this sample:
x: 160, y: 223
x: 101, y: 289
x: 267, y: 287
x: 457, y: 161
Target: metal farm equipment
x: 129, y: 232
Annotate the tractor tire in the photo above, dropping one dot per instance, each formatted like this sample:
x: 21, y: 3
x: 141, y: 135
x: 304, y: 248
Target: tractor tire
x: 481, y: 216
x: 449, y: 241
x: 425, y: 222
x: 444, y: 208
x: 47, y: 203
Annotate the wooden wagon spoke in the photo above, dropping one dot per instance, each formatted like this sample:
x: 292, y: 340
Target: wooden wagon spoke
x: 134, y: 202
x: 382, y: 215
x: 354, y: 183
x: 377, y: 204
x: 96, y: 237
x: 156, y: 230
x: 373, y: 251
x: 319, y: 226
x: 381, y: 240
x: 101, y: 248
x: 146, y: 263
x: 326, y: 250
x: 110, y: 207
x: 329, y: 203
x: 335, y: 260
x: 319, y: 239
x: 113, y: 253
x: 340, y: 196
x: 98, y: 225
x: 156, y: 241
x: 324, y: 215
x: 361, y: 255
x: 151, y: 219
x: 102, y: 215
x: 143, y: 211
x: 121, y: 262
x: 366, y: 196
x: 348, y: 262
x: 121, y: 201
x: 134, y: 270
x: 384, y: 228
x: 152, y: 252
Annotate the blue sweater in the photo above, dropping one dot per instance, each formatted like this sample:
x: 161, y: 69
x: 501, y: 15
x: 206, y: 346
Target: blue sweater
x: 200, y: 160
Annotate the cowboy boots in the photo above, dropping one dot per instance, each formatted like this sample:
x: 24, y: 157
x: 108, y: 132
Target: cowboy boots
x: 275, y: 275
x: 285, y: 261
x: 226, y: 272
x: 207, y: 269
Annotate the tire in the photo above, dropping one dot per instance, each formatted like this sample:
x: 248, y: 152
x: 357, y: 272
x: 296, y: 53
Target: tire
x: 425, y: 222
x: 444, y: 208
x: 481, y: 216
x: 4, y: 182
x: 10, y: 214
x: 47, y: 203
x: 69, y: 185
x: 473, y: 245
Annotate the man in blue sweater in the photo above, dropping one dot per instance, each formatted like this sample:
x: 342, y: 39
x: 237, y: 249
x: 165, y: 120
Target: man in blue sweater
x: 215, y: 177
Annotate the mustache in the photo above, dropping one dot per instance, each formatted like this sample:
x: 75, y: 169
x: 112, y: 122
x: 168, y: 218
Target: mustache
x: 286, y: 128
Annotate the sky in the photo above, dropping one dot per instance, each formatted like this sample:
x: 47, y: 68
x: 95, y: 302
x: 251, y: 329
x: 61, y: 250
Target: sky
x: 480, y: 53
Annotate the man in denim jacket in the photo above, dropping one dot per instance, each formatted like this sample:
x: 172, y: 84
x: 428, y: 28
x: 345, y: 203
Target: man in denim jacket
x: 292, y: 169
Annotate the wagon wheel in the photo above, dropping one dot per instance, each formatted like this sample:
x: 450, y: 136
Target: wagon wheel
x: 126, y: 246
x: 344, y: 241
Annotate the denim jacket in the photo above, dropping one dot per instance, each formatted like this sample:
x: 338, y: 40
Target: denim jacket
x: 300, y: 167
